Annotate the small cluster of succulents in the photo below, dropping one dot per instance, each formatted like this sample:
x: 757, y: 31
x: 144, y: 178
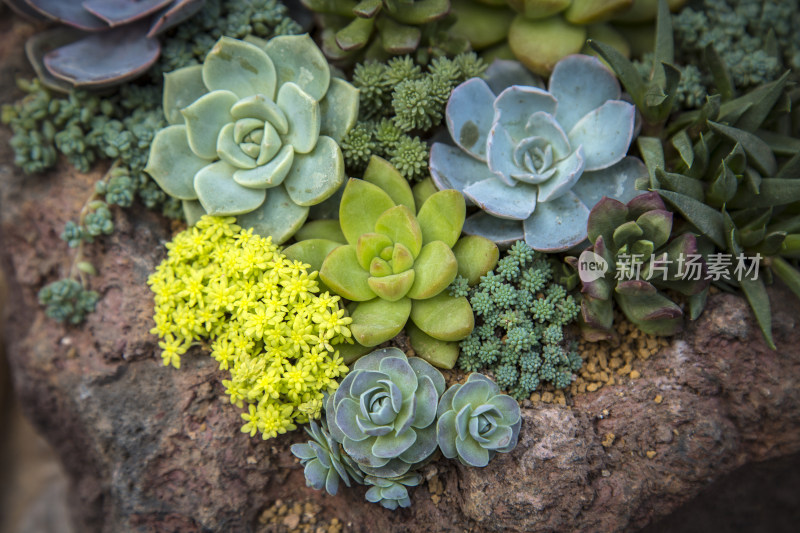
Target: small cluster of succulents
x: 86, y: 127
x: 642, y: 257
x: 399, y: 106
x: 66, y: 300
x: 756, y: 40
x: 534, y: 161
x: 378, y: 29
x: 263, y: 315
x: 395, y: 256
x: 390, y: 415
x: 519, y: 337
x: 253, y: 131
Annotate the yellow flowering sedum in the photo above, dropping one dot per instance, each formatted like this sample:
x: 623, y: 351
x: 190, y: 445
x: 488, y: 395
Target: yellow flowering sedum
x: 262, y: 317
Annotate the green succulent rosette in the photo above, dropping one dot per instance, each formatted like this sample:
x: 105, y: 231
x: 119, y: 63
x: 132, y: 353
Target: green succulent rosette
x: 397, y: 262
x: 384, y: 412
x: 476, y: 421
x: 254, y: 132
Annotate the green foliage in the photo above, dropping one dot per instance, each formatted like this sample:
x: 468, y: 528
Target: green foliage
x: 66, y: 300
x: 521, y: 314
x: 756, y: 40
x: 324, y: 461
x: 400, y: 105
x: 262, y: 315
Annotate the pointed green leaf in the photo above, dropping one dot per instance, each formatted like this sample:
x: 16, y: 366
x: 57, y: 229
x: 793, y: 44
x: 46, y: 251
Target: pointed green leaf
x: 772, y: 192
x: 624, y: 69
x: 379, y: 320
x: 756, y: 105
x: 722, y: 78
x: 381, y: 173
x: 444, y: 317
x: 664, y: 48
x: 758, y: 152
x: 706, y: 219
x: 476, y: 256
x: 680, y: 184
x: 788, y: 274
x: 440, y: 354
x: 653, y: 154
x: 757, y: 296
x: 442, y: 217
x: 362, y: 204
x: 401, y: 226
x: 436, y: 268
x: 684, y: 145
x: 341, y: 272
x: 782, y: 145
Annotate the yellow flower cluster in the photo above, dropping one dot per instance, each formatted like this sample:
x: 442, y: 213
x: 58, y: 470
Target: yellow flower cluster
x: 262, y: 316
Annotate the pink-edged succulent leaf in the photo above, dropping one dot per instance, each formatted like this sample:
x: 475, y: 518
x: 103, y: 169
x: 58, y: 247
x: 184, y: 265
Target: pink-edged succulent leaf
x: 606, y: 216
x: 104, y: 59
x: 177, y: 12
x: 69, y: 12
x: 656, y: 225
x: 118, y: 12
x: 39, y: 44
x: 21, y: 7
x: 649, y: 310
x: 643, y: 203
x: 596, y: 319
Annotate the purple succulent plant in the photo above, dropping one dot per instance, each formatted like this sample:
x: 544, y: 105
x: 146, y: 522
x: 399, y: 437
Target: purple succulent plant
x: 100, y: 43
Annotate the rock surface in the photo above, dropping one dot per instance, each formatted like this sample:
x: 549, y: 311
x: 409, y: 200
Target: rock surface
x: 157, y: 449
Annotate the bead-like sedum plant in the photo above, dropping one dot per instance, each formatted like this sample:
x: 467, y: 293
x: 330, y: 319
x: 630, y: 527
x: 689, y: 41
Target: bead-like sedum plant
x: 263, y: 316
x: 254, y: 132
x: 477, y: 421
x: 534, y: 161
x: 398, y: 260
x: 635, y: 242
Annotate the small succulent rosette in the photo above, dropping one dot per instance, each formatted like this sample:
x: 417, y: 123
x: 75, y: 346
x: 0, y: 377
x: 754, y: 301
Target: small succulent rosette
x: 384, y: 412
x: 536, y: 161
x: 395, y: 256
x: 476, y: 421
x: 632, y: 243
x: 254, y: 132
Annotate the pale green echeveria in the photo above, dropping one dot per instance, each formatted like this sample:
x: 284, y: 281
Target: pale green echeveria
x: 476, y: 421
x: 254, y: 132
x: 398, y: 260
x: 536, y: 161
x: 391, y: 493
x: 384, y: 412
x: 324, y: 463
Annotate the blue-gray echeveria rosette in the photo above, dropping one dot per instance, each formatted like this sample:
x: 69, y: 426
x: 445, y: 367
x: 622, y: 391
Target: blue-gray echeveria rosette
x: 476, y: 421
x: 254, y: 132
x: 536, y: 161
x: 392, y: 492
x: 384, y: 412
x: 324, y: 463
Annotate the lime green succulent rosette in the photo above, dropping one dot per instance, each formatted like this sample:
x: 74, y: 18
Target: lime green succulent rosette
x: 398, y: 260
x: 254, y: 132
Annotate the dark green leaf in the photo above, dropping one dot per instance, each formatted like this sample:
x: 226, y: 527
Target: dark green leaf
x: 752, y: 180
x: 758, y: 152
x: 758, y: 104
x: 664, y: 48
x: 701, y: 158
x: 722, y: 78
x: 790, y: 247
x: 756, y: 294
x: 791, y: 169
x: 789, y: 225
x: 697, y: 302
x: 706, y: 219
x: 773, y: 192
x: 653, y: 155
x: 788, y: 274
x: 624, y: 69
x: 771, y: 244
x: 683, y: 143
x: 780, y: 144
x: 680, y: 184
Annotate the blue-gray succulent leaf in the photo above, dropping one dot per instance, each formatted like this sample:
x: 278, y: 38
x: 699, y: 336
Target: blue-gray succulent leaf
x: 391, y: 446
x: 426, y: 399
x: 605, y: 134
x: 503, y: 73
x: 451, y: 168
x: 557, y: 225
x: 401, y: 373
x: 469, y: 115
x: 515, y: 202
x: 424, y: 368
x: 446, y: 434
x: 471, y: 452
x: 581, y: 84
x: 446, y: 401
x: 423, y: 447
